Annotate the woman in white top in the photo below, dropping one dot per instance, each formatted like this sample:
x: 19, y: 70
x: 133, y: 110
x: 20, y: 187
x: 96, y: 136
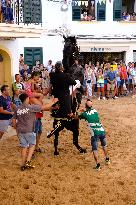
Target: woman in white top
x: 89, y: 78
x: 100, y: 84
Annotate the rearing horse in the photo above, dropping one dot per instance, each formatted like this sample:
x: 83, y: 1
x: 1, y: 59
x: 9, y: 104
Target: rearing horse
x: 63, y: 117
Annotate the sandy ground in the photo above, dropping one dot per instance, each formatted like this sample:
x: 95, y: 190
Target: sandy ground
x: 70, y: 179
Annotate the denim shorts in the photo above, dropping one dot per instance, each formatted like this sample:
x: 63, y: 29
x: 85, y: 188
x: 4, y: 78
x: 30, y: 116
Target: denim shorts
x: 27, y: 139
x: 4, y: 125
x: 118, y: 84
x: 96, y: 139
x: 38, y: 126
x: 123, y: 81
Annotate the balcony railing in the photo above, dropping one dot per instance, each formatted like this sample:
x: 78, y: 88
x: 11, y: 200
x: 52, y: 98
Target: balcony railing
x: 21, y: 11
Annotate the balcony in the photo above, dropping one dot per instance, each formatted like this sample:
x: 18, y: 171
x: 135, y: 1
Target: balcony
x: 21, y: 11
x: 19, y: 19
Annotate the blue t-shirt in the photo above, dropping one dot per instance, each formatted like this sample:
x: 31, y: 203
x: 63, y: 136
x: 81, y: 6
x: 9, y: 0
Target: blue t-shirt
x: 111, y: 75
x: 22, y: 72
x: 6, y: 104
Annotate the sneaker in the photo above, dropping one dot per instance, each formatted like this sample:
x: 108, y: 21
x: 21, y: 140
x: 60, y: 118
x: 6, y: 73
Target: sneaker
x: 107, y: 160
x: 116, y: 97
x: 103, y: 98
x: 98, y: 167
x: 23, y: 168
x: 113, y: 98
x: 29, y: 165
x: 99, y: 98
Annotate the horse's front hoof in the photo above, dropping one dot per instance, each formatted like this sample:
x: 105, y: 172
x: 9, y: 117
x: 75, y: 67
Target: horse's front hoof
x: 56, y: 153
x: 82, y: 150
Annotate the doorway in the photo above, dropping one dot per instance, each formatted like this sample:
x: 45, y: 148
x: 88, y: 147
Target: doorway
x: 1, y: 71
x: 5, y: 69
x: 101, y: 57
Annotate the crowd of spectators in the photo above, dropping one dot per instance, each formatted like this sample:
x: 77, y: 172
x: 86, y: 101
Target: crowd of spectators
x: 43, y: 71
x: 104, y: 80
x: 110, y: 80
x: 128, y: 17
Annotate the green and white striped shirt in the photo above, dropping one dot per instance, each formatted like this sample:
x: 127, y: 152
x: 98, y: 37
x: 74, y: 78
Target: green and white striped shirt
x: 92, y: 117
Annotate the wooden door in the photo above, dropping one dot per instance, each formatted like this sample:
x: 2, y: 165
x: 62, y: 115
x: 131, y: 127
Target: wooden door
x: 1, y: 74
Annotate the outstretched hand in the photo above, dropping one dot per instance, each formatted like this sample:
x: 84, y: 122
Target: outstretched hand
x: 55, y: 100
x: 82, y: 110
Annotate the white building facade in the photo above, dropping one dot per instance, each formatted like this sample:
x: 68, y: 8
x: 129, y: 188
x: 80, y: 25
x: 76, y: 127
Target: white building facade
x: 104, y: 37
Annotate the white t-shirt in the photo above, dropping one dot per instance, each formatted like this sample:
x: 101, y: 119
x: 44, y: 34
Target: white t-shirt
x: 49, y: 67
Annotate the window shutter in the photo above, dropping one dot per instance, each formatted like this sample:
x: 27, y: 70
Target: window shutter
x: 117, y: 10
x: 101, y: 11
x: 76, y: 11
x: 27, y: 11
x: 32, y: 11
x: 36, y: 11
x: 28, y: 56
x: 38, y: 55
x: 31, y: 55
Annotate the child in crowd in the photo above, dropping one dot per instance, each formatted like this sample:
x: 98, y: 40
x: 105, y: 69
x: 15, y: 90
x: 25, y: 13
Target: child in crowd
x: 24, y: 122
x: 45, y: 82
x: 98, y: 132
x: 38, y: 131
x: 35, y: 97
x: 17, y: 88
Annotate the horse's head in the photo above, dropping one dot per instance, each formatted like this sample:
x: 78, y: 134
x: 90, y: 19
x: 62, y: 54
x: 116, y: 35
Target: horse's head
x: 70, y: 52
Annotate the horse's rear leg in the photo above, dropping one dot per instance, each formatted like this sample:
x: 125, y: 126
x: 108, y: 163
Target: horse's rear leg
x: 56, y: 144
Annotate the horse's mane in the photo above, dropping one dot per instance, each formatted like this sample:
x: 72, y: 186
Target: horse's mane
x: 70, y: 52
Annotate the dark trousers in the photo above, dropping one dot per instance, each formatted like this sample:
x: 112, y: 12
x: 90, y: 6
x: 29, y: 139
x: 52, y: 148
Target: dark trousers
x: 7, y: 13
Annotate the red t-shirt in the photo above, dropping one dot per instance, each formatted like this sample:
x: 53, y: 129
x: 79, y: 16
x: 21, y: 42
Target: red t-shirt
x: 39, y: 115
x: 123, y: 73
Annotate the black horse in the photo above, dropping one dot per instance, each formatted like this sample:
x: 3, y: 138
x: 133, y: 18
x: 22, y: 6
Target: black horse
x: 70, y: 123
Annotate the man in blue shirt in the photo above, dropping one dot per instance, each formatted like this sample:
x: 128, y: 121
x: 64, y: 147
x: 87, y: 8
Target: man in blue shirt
x: 111, y: 78
x: 5, y: 110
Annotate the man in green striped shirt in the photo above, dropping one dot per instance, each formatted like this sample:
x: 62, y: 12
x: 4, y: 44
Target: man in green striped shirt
x: 97, y: 132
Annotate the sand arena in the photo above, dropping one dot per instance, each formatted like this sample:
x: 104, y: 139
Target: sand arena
x: 69, y: 179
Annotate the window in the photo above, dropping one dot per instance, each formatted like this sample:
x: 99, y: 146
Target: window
x: 134, y: 56
x: 31, y: 55
x: 124, y: 10
x: 88, y: 10
x: 101, y: 11
x: 117, y: 10
x: 32, y: 11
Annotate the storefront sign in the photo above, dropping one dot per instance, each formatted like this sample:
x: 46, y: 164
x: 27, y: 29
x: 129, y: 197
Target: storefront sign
x: 103, y: 49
